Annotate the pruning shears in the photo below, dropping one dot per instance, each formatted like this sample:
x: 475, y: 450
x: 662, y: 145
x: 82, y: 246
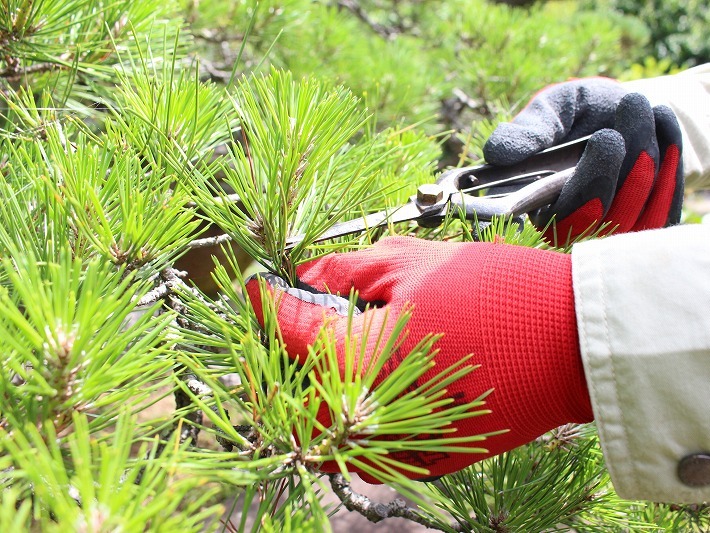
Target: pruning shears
x: 481, y: 192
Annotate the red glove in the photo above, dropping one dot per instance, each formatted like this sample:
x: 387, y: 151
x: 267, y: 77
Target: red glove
x: 630, y: 177
x: 511, y: 306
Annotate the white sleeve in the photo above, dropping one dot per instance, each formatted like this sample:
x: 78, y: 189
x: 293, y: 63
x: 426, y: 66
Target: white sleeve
x: 643, y: 310
x: 688, y: 94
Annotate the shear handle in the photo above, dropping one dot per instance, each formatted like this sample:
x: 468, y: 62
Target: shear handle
x: 556, y: 158
x: 530, y: 198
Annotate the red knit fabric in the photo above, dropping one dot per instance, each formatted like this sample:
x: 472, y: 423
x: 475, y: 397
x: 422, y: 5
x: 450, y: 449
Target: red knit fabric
x: 643, y: 202
x: 511, y: 306
x: 583, y: 221
x: 631, y: 199
x: 655, y: 214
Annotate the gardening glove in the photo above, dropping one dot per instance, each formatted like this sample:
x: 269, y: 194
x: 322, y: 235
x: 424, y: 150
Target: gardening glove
x: 630, y: 176
x: 511, y: 306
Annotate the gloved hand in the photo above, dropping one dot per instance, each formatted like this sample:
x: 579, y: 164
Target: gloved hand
x: 511, y: 306
x: 630, y: 177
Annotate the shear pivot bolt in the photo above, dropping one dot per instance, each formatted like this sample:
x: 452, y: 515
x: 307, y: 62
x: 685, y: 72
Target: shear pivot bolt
x: 429, y: 194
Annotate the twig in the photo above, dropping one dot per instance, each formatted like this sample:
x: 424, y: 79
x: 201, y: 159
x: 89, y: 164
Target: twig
x: 220, y: 72
x: 226, y: 199
x: 215, y: 36
x: 216, y: 73
x: 357, y: 10
x: 171, y: 280
x: 13, y: 72
x: 209, y: 241
x: 188, y: 432
x: 374, y: 511
x: 466, y: 100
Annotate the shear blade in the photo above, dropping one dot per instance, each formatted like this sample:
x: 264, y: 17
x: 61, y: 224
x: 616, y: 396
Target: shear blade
x: 404, y: 213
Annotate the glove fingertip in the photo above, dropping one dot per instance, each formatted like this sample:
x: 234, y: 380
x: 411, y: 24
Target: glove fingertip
x: 333, y: 273
x: 633, y: 103
x: 605, y: 143
x: 596, y: 174
x: 670, y: 142
x: 635, y: 121
x: 665, y: 202
x: 300, y: 313
x: 314, y: 269
x: 252, y: 286
x: 667, y: 127
x: 587, y: 195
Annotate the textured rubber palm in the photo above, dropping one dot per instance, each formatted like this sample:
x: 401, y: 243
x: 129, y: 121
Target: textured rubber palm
x: 510, y: 306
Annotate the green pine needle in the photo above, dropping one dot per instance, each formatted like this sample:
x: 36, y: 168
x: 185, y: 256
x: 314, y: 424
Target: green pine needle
x: 81, y: 483
x: 56, y: 360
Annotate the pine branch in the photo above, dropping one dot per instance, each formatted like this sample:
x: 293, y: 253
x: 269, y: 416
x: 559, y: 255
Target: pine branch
x: 13, y: 72
x: 184, y: 401
x: 356, y: 9
x: 376, y: 512
x: 217, y: 73
x: 170, y: 281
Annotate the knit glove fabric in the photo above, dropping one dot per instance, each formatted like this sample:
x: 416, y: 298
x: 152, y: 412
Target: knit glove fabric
x: 511, y: 306
x: 630, y: 176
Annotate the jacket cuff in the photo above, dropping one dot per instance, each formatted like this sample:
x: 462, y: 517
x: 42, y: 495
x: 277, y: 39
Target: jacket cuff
x: 643, y: 310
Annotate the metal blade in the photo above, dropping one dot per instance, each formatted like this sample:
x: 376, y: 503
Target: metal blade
x: 457, y: 182
x: 531, y: 197
x: 403, y: 213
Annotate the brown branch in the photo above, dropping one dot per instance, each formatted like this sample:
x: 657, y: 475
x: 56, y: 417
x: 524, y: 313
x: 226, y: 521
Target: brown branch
x: 209, y: 241
x: 357, y: 10
x: 375, y: 511
x: 188, y: 432
x: 226, y: 199
x: 216, y: 73
x: 13, y: 72
x: 466, y: 100
x: 171, y: 279
x: 217, y: 36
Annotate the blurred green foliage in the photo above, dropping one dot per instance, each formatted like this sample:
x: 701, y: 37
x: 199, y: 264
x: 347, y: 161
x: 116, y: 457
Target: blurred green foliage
x: 677, y: 30
x: 405, y: 58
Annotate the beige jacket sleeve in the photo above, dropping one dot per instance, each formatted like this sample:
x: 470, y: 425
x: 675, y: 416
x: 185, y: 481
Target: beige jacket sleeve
x: 688, y: 94
x: 643, y: 309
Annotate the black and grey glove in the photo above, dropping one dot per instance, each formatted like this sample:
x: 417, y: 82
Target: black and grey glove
x: 629, y: 178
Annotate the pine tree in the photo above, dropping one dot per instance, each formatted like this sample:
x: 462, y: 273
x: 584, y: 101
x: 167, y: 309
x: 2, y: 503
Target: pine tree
x: 132, y: 400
